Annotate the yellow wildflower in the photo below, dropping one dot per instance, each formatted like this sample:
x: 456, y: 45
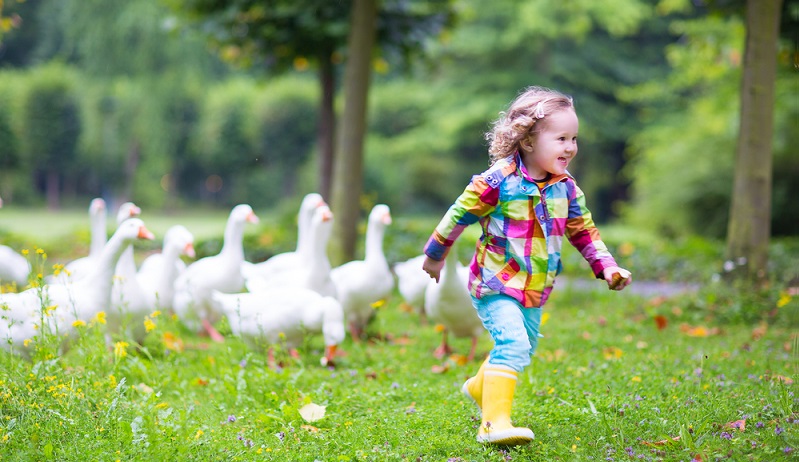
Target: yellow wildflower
x: 149, y: 325
x: 155, y: 314
x: 120, y: 350
x: 26, y: 342
x: 100, y: 317
x: 78, y: 323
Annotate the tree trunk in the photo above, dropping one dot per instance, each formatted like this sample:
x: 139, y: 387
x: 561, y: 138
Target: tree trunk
x: 348, y: 168
x: 327, y: 124
x: 749, y: 226
x: 53, y: 187
x: 131, y: 165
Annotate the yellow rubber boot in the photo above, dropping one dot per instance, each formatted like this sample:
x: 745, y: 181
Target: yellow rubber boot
x: 473, y: 388
x: 499, y: 386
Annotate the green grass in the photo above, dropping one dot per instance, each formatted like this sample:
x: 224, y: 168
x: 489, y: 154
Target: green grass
x: 605, y: 381
x: 45, y: 226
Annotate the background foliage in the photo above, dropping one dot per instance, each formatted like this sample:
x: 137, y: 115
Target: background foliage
x: 160, y: 119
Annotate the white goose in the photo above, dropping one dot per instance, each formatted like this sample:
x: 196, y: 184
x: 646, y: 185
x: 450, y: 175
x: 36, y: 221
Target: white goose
x: 81, y: 300
x: 448, y: 302
x: 221, y: 272
x: 361, y: 283
x: 411, y: 283
x: 97, y: 239
x: 159, y: 271
x: 78, y: 268
x: 315, y: 273
x: 298, y: 258
x: 271, y: 316
x: 13, y: 267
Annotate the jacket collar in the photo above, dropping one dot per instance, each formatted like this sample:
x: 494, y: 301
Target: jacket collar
x: 522, y: 171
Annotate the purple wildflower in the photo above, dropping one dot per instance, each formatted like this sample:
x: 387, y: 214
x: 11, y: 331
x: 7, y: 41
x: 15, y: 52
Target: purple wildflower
x: 778, y: 430
x: 698, y: 372
x: 231, y: 418
x: 726, y: 435
x: 760, y: 425
x: 788, y: 450
x: 281, y: 436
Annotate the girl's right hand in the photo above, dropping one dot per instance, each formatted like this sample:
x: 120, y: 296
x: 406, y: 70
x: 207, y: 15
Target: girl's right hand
x: 432, y: 267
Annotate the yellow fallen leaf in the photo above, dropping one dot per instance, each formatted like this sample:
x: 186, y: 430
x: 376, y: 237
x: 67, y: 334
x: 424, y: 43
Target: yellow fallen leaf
x: 312, y: 412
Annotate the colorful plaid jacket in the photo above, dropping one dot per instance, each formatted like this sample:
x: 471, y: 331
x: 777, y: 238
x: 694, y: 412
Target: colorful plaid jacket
x: 518, y: 253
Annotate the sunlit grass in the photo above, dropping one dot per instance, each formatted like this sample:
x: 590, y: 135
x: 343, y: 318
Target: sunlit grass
x: 617, y: 377
x: 44, y: 226
x: 609, y: 382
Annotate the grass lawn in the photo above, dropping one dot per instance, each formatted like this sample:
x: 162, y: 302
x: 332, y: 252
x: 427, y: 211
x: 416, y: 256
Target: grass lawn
x: 43, y: 227
x: 618, y: 376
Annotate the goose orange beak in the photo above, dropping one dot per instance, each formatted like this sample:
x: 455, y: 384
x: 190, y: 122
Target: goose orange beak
x: 145, y: 233
x: 189, y: 250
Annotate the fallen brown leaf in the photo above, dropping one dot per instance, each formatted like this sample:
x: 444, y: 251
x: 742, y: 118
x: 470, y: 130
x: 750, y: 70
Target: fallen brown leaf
x: 662, y: 442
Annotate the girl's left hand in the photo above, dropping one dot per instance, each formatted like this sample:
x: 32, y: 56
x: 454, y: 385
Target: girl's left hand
x: 617, y: 278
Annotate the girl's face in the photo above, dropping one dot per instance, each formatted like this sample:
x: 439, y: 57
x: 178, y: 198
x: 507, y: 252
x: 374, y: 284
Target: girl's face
x: 554, y: 147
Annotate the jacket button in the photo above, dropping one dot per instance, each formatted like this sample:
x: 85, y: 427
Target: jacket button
x: 542, y: 218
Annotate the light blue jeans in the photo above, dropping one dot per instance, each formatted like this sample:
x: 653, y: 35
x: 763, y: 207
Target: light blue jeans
x: 513, y: 328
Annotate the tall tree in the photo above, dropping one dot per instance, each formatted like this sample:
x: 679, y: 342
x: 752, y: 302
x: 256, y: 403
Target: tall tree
x: 347, y: 185
x: 749, y: 226
x: 278, y: 35
x: 281, y: 35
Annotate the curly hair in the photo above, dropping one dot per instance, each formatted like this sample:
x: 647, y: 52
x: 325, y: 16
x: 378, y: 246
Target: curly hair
x: 522, y: 118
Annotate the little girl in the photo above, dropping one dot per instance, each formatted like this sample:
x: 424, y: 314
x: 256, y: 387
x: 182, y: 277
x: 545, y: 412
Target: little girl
x: 526, y: 202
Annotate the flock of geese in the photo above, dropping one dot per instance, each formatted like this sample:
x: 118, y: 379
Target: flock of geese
x: 280, y: 300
